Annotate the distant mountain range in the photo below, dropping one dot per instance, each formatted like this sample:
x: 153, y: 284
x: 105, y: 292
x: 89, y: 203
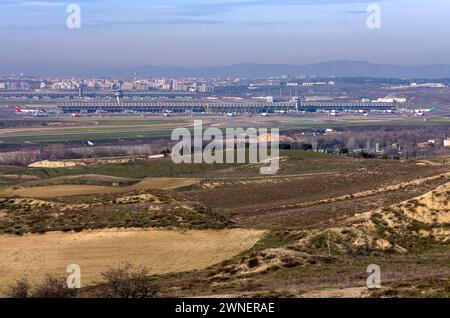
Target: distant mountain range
x: 343, y: 68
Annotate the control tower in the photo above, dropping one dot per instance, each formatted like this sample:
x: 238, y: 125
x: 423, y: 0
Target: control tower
x: 118, y: 94
x: 81, y: 90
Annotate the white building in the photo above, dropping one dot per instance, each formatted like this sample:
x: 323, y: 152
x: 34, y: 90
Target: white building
x: 447, y: 143
x: 390, y: 100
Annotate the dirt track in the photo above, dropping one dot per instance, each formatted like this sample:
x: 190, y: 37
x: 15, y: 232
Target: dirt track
x: 161, y: 251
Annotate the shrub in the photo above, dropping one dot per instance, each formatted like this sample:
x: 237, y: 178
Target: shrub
x: 19, y: 289
x: 252, y: 262
x: 53, y: 287
x: 126, y: 281
x: 327, y: 240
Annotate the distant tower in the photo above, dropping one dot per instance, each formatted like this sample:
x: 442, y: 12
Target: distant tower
x: 118, y: 94
x: 298, y: 103
x: 81, y: 90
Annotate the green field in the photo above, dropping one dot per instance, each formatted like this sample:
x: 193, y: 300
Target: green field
x: 166, y: 168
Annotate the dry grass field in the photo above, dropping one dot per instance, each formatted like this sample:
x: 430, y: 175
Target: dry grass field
x: 161, y: 251
x: 61, y: 190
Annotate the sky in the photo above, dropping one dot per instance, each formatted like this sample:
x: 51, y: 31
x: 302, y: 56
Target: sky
x: 117, y: 34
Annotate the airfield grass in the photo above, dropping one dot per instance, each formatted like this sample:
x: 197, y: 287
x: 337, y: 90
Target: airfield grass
x: 83, y: 136
x: 93, y: 128
x: 134, y: 128
x: 356, y: 122
x: 130, y: 120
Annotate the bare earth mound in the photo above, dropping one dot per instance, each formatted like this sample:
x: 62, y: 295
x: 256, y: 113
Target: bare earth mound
x: 162, y: 251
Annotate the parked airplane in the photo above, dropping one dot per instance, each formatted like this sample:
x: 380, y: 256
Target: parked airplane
x: 425, y: 110
x: 334, y: 113
x: 31, y: 112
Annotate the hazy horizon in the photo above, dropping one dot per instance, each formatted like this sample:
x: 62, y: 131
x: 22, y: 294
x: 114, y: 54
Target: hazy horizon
x: 201, y: 33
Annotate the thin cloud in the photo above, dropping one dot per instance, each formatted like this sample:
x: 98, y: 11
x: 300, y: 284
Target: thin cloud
x: 223, y: 7
x: 31, y: 4
x: 354, y: 12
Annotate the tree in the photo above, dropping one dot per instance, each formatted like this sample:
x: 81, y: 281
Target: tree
x: 285, y: 147
x: 306, y: 147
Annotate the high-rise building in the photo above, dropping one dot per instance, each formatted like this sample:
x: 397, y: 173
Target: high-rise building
x: 175, y: 85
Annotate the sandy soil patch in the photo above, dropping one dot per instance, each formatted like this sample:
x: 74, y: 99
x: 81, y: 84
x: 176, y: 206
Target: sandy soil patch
x: 53, y: 164
x: 352, y: 292
x: 75, y: 189
x: 162, y: 251
x: 430, y: 208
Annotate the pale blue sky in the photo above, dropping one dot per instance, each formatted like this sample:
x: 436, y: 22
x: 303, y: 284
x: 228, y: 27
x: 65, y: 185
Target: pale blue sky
x: 117, y: 34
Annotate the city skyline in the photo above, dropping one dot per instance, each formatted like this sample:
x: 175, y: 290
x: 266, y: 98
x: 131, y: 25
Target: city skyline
x: 172, y: 33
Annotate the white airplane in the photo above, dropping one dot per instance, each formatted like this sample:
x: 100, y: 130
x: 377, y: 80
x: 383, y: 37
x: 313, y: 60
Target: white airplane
x: 264, y: 114
x: 31, y: 112
x: 90, y: 143
x: 229, y: 115
x: 333, y: 113
x: 425, y: 110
